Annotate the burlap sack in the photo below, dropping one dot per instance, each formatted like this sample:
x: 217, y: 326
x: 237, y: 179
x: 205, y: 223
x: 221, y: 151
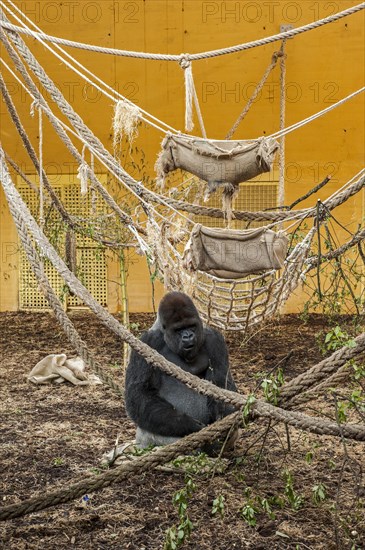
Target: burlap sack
x: 216, y: 162
x: 56, y: 368
x: 231, y: 253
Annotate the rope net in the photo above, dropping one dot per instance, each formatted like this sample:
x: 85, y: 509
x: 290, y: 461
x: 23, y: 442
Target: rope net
x: 232, y: 305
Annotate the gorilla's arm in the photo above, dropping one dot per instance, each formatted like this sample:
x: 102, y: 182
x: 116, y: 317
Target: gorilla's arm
x: 218, y: 372
x: 143, y: 403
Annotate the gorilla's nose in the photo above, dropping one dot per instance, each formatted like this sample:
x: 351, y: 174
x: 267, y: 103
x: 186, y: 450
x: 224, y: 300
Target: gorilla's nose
x: 188, y: 340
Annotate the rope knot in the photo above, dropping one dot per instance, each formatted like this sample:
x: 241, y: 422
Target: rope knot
x: 35, y: 105
x: 185, y: 61
x: 276, y: 55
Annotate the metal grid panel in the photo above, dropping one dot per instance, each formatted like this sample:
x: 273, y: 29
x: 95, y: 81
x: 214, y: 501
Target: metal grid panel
x: 29, y: 295
x: 91, y: 271
x: 91, y: 261
x: 252, y: 197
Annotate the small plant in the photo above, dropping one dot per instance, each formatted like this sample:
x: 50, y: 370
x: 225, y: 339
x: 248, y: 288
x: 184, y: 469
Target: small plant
x: 176, y: 535
x: 247, y: 408
x: 311, y: 453
x: 359, y: 371
x: 318, y: 493
x: 271, y: 386
x: 276, y: 501
x: 342, y: 408
x: 139, y: 451
x: 218, y: 506
x: 293, y: 498
x: 248, y: 512
x: 265, y: 505
x: 197, y: 464
x: 309, y: 457
x: 357, y: 400
x: 336, y: 339
x: 58, y: 461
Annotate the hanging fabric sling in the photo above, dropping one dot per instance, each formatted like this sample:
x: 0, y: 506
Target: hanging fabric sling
x: 232, y: 253
x: 216, y: 162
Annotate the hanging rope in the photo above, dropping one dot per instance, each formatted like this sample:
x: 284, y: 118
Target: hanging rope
x: 82, y: 172
x: 35, y: 105
x: 185, y: 64
x: 255, y: 94
x: 281, y: 190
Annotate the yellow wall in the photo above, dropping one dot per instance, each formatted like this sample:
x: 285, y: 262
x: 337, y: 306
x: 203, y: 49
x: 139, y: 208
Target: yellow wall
x: 323, y: 66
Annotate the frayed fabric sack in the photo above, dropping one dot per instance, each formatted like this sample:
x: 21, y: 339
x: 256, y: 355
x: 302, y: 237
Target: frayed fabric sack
x: 57, y: 368
x: 216, y: 162
x: 231, y: 253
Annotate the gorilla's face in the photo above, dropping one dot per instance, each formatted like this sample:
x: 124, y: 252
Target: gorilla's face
x: 181, y: 325
x: 185, y: 340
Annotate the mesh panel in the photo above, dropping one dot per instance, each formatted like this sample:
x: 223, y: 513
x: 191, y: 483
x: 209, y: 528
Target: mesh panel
x: 90, y: 259
x: 91, y: 271
x: 252, y: 197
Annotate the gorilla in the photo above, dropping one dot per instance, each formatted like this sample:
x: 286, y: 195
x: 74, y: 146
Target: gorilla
x: 162, y: 407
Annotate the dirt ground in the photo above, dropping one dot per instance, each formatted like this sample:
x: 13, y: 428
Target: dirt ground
x: 52, y: 436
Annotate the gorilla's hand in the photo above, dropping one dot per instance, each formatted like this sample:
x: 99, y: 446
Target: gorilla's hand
x: 191, y: 424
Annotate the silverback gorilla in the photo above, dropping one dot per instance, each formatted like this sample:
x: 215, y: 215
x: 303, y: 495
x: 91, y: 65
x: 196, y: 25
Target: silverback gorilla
x: 163, y: 408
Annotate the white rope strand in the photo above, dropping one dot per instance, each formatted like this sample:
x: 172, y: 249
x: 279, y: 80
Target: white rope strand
x: 36, y: 105
x: 316, y: 115
x: 281, y: 193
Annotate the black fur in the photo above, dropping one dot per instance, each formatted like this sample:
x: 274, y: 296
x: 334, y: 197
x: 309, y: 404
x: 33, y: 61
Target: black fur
x: 162, y: 405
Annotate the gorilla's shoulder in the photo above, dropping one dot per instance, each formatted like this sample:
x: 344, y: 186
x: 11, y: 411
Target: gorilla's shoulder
x: 154, y: 338
x: 213, y: 338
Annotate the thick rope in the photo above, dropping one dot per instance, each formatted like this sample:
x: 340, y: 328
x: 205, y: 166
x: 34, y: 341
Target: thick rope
x: 322, y: 370
x: 356, y: 239
x: 192, y: 57
x: 270, y: 216
x: 317, y: 390
x: 20, y: 173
